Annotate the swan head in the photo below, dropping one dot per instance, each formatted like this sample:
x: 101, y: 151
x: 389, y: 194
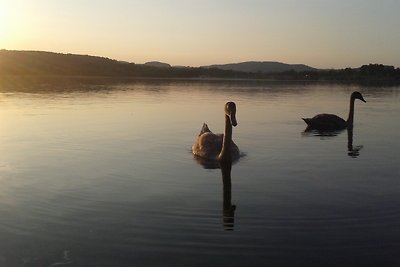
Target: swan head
x: 230, y: 111
x: 357, y: 95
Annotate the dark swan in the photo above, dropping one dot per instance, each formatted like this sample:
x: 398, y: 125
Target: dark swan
x: 218, y: 147
x: 331, y: 122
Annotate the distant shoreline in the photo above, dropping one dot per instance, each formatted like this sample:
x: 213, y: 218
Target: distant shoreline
x: 43, y: 81
x: 37, y: 65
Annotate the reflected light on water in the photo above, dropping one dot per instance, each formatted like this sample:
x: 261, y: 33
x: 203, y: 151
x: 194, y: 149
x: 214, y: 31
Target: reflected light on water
x: 101, y: 174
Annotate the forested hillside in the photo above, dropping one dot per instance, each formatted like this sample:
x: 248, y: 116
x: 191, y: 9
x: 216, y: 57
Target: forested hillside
x: 37, y: 63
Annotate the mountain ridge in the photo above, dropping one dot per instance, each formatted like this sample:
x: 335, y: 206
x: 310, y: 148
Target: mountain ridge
x: 158, y: 64
x: 14, y: 63
x: 262, y: 66
x: 245, y: 66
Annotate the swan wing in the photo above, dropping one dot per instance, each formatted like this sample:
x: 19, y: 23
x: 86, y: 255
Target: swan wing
x: 208, y: 145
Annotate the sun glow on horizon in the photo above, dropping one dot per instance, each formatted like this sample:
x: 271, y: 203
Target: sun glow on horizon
x: 4, y: 20
x: 10, y: 26
x: 176, y: 31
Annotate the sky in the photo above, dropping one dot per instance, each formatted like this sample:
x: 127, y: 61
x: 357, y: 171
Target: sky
x: 318, y: 33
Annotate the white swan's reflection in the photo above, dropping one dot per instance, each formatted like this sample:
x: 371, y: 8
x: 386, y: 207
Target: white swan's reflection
x: 228, y: 209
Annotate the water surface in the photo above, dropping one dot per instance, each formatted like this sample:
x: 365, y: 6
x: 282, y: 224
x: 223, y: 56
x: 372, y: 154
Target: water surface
x: 102, y: 175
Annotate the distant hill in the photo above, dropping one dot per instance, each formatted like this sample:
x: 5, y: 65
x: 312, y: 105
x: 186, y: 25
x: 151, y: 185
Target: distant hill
x: 158, y: 64
x: 48, y: 63
x: 37, y: 63
x: 263, y: 67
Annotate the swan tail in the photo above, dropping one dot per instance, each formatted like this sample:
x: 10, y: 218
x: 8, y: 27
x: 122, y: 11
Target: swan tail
x: 204, y: 129
x: 307, y: 120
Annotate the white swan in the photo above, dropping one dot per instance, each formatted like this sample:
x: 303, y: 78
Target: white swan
x: 219, y: 147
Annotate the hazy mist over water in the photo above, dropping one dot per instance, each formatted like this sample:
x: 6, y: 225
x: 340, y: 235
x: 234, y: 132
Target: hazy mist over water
x: 103, y: 175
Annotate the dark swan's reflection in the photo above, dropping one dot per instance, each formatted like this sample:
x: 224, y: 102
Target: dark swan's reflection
x: 309, y: 131
x: 352, y: 151
x: 228, y: 209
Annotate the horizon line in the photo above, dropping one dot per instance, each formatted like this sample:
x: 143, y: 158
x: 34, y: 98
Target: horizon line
x: 180, y: 65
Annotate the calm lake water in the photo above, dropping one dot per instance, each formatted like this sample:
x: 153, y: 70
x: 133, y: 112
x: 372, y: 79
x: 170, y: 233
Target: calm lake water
x: 103, y: 175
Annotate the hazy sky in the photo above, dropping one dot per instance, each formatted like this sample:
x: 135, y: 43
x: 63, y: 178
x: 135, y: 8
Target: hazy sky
x: 323, y: 34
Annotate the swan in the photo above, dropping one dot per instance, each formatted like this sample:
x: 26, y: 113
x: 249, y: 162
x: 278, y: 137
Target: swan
x: 218, y: 147
x: 331, y: 121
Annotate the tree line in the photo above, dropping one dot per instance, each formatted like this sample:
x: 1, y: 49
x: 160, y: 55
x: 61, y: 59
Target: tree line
x: 47, y: 63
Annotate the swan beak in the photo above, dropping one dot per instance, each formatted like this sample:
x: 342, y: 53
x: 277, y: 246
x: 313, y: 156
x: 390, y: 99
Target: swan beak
x: 233, y: 120
x: 362, y: 99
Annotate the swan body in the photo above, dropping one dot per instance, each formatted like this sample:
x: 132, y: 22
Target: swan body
x: 218, y: 147
x: 326, y: 121
x: 331, y: 121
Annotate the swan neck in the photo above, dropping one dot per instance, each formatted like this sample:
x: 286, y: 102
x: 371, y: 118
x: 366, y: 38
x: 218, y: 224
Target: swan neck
x: 226, y: 141
x: 351, y: 112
